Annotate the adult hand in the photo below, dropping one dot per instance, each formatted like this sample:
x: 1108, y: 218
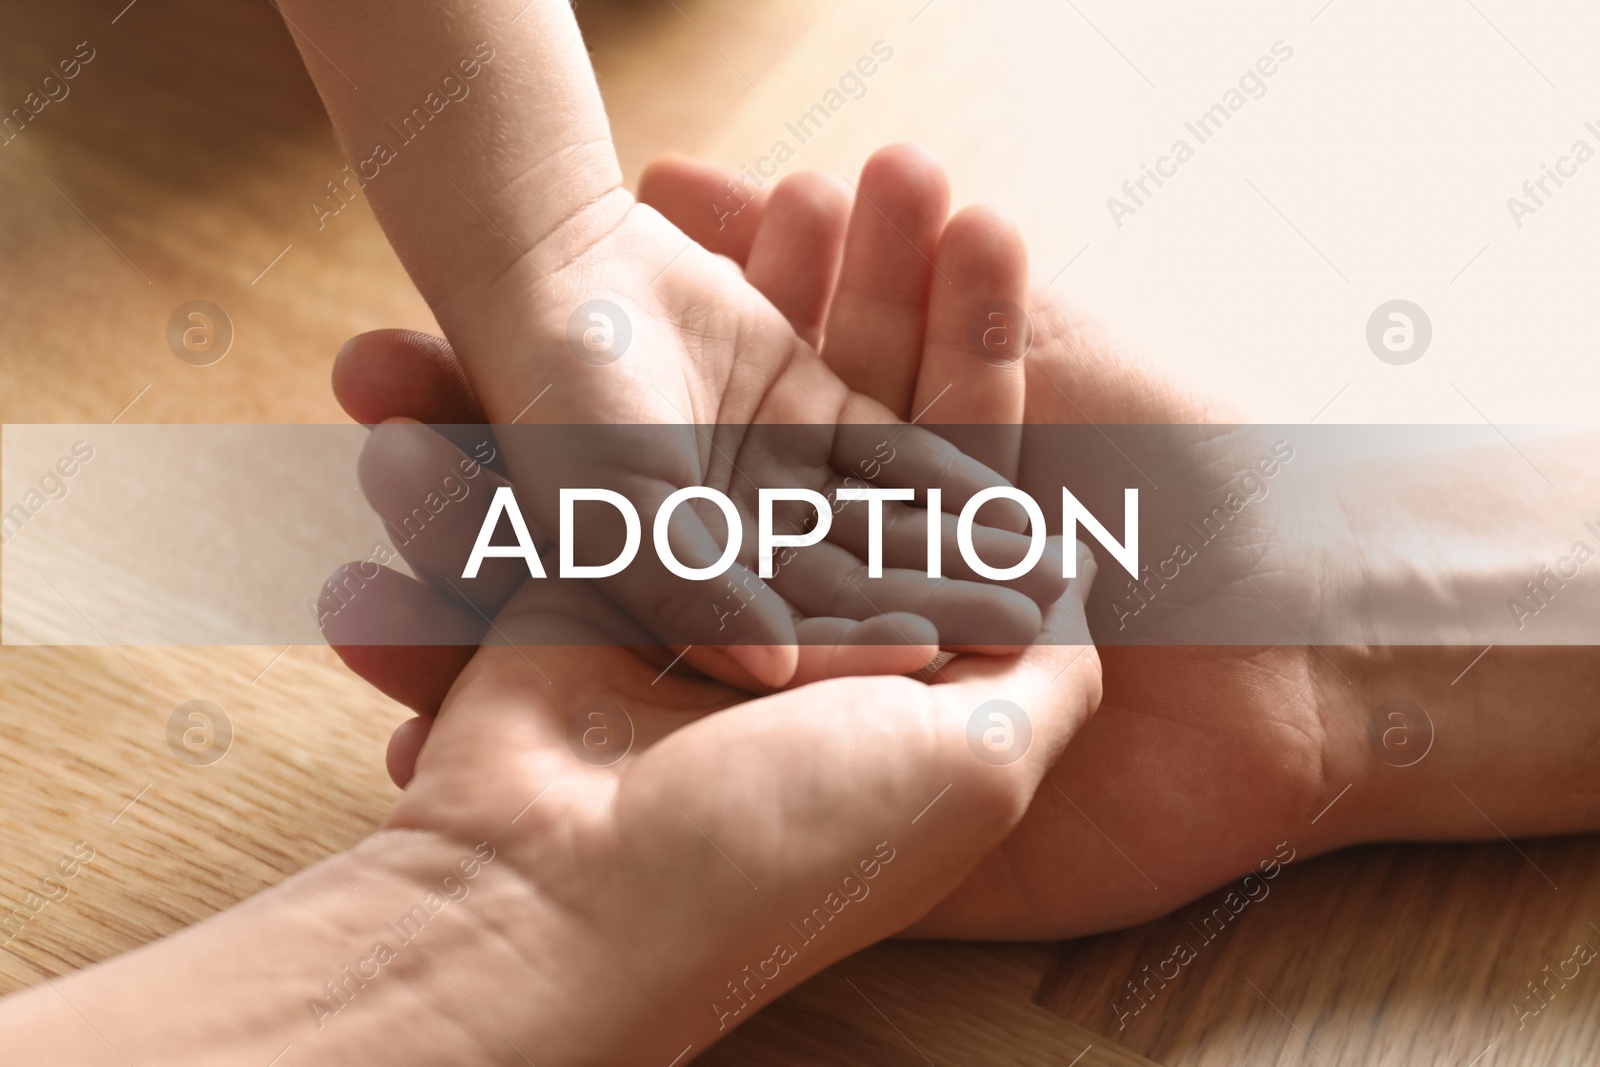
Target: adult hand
x: 1204, y: 758
x: 622, y: 899
x: 680, y: 866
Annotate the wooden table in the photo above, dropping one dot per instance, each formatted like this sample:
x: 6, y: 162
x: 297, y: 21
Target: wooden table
x: 180, y: 167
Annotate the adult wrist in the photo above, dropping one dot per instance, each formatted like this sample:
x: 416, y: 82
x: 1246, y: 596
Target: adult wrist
x: 322, y: 965
x: 501, y: 972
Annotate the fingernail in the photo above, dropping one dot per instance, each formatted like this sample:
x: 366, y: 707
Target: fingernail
x: 1088, y: 567
x: 771, y: 665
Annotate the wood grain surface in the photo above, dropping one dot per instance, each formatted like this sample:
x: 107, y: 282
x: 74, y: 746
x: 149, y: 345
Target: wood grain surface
x: 180, y: 167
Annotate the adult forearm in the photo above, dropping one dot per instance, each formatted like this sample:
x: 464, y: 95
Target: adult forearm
x: 1491, y: 544
x: 1499, y: 734
x: 1451, y: 748
x: 391, y: 953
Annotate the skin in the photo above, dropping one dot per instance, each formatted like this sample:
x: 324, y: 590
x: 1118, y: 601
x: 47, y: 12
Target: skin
x: 625, y: 891
x: 1203, y: 760
x: 570, y: 897
x: 635, y: 891
x: 1189, y: 721
x: 512, y: 221
x: 607, y: 897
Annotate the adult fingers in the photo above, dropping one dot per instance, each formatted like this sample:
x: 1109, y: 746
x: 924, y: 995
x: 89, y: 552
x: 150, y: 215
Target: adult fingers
x: 1024, y: 709
x: 378, y: 376
x: 795, y: 257
x: 403, y: 638
x: 972, y: 372
x: 875, y: 327
x: 405, y: 745
x: 789, y: 238
x: 405, y: 373
x: 433, y: 499
x: 384, y: 373
x: 716, y: 208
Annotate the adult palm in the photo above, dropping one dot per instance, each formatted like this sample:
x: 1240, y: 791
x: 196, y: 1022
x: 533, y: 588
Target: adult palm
x: 674, y: 826
x: 1202, y: 758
